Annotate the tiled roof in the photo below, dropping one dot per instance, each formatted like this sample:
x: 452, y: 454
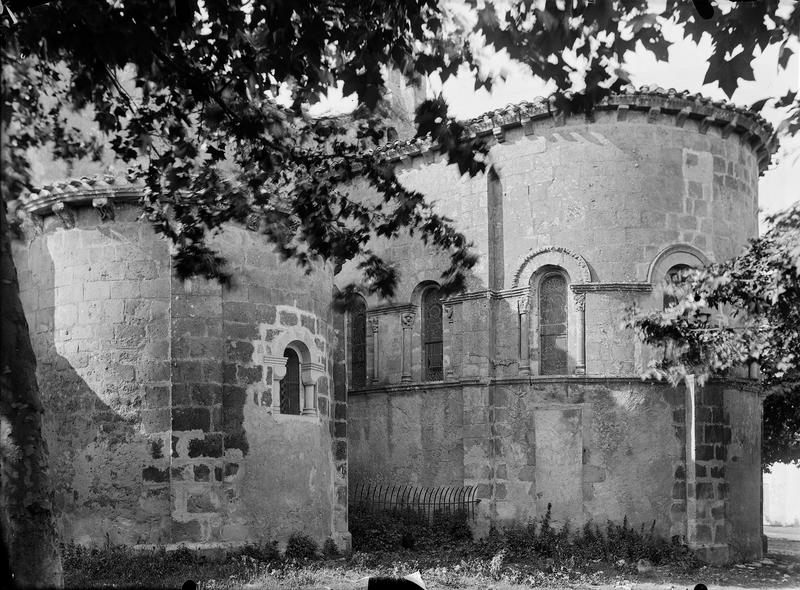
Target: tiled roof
x: 733, y: 118
x: 81, y: 189
x: 696, y: 106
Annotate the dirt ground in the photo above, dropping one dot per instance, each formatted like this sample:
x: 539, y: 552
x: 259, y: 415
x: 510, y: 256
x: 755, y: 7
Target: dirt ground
x: 783, y: 540
x: 780, y: 569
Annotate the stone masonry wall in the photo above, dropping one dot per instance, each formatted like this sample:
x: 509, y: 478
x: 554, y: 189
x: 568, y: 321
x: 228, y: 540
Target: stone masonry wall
x: 595, y: 449
x: 742, y: 413
x: 163, y: 417
x: 615, y: 192
x: 97, y: 302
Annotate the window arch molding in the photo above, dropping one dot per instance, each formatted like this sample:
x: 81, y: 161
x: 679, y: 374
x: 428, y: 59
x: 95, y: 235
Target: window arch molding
x: 535, y: 266
x: 310, y: 372
x: 669, y: 258
x: 572, y: 263
x: 675, y: 255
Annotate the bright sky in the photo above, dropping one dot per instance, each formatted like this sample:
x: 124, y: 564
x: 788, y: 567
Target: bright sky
x: 685, y: 70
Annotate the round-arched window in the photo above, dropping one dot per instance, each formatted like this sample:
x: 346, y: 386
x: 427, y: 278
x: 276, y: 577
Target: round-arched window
x: 553, y: 324
x: 432, y: 352
x: 290, y: 384
x: 673, y: 279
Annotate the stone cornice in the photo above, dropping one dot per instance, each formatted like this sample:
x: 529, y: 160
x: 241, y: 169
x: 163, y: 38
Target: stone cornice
x: 656, y: 101
x: 486, y: 294
x: 599, y: 287
x: 400, y: 388
x: 98, y: 191
x: 392, y: 309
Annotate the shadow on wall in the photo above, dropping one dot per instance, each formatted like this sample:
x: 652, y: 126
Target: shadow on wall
x: 97, y: 449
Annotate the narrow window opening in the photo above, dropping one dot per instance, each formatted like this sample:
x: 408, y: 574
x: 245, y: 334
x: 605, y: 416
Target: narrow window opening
x: 432, y: 335
x: 553, y: 324
x: 290, y: 384
x: 674, y: 278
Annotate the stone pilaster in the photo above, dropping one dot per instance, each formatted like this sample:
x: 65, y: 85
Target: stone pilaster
x: 407, y: 321
x: 448, y: 333
x: 523, y: 306
x: 580, y: 345
x: 374, y: 326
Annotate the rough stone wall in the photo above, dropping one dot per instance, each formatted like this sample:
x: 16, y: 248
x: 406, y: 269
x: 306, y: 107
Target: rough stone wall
x: 163, y: 418
x: 614, y: 204
x: 97, y: 302
x: 742, y: 414
x: 408, y: 436
x: 616, y: 192
x: 619, y: 191
x: 594, y: 449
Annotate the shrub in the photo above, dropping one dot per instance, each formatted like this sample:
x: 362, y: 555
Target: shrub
x: 264, y: 551
x: 403, y: 529
x: 301, y: 546
x: 329, y: 548
x: 541, y: 540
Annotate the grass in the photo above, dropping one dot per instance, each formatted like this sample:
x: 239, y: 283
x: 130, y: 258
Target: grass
x: 531, y: 556
x: 450, y: 568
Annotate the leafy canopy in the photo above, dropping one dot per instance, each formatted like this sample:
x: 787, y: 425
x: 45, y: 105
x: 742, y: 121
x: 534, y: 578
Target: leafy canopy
x: 738, y: 312
x: 205, y: 133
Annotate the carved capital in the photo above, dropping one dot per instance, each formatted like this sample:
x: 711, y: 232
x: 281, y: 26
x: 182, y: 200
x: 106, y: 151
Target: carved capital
x: 311, y: 372
x: 523, y: 304
x: 407, y: 319
x: 374, y: 324
x: 104, y: 208
x: 448, y: 312
x: 580, y: 301
x: 64, y: 213
x: 278, y: 364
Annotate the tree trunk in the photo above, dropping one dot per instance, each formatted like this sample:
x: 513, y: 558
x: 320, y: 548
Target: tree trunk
x: 28, y: 525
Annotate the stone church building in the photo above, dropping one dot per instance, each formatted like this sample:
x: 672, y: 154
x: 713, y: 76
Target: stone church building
x: 184, y: 412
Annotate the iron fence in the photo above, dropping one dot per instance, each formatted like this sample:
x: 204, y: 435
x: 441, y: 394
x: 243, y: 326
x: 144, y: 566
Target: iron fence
x: 422, y: 502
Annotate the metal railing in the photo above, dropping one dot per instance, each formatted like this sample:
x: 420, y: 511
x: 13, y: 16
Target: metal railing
x: 421, y: 502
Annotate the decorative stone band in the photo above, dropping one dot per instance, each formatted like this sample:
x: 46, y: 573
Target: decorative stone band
x: 515, y: 292
x: 101, y: 192
x: 742, y: 384
x: 656, y: 102
x: 486, y: 294
x: 596, y: 287
x: 61, y: 199
x: 392, y: 309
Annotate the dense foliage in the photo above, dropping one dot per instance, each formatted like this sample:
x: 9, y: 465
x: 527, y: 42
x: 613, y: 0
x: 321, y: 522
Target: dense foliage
x: 403, y: 529
x: 738, y: 312
x: 204, y: 128
x: 205, y: 132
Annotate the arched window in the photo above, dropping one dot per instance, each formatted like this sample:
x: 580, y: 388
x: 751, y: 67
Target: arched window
x: 290, y: 384
x: 432, y: 335
x: 553, y: 324
x: 358, y: 344
x: 674, y: 277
